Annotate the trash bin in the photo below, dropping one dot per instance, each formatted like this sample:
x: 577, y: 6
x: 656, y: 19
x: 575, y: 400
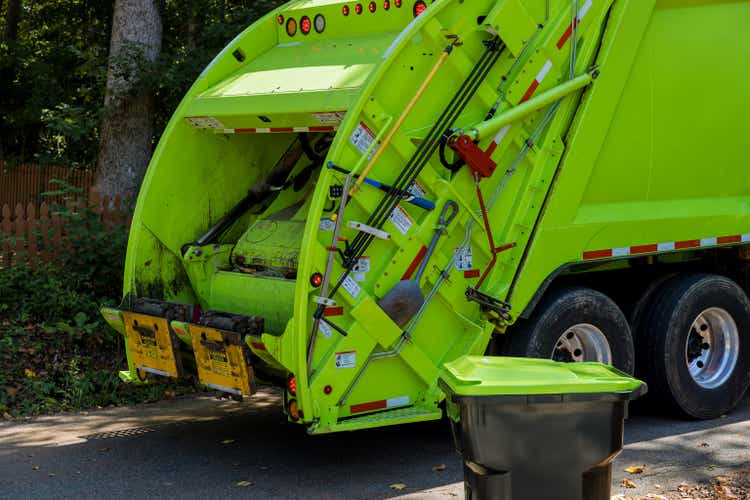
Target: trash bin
x: 537, y: 429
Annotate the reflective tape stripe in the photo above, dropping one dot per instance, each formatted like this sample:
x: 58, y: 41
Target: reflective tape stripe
x: 537, y: 81
x: 667, y: 246
x: 568, y: 32
x: 380, y: 405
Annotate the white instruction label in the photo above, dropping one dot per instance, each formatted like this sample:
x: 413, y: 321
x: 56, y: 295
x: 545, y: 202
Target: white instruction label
x: 359, y: 276
x: 346, y: 359
x: 416, y: 190
x: 464, y: 259
x: 351, y: 287
x: 361, y: 138
x: 325, y: 329
x: 401, y: 220
x: 204, y: 122
x: 362, y: 265
x: 327, y: 224
x: 334, y: 117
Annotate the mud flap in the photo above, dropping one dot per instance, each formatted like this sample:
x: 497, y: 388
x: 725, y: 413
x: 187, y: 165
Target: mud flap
x: 223, y: 360
x: 152, y: 345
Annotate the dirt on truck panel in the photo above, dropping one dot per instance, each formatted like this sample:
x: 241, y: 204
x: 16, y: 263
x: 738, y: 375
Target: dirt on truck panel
x: 308, y: 170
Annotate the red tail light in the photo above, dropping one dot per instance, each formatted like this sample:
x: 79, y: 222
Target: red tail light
x: 316, y: 279
x: 419, y: 7
x: 305, y: 25
x: 291, y: 384
x: 358, y: 8
x: 397, y: 3
x: 372, y: 6
x: 386, y: 5
x: 345, y: 10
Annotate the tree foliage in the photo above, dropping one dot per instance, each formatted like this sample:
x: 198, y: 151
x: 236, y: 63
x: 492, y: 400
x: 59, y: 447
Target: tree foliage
x: 53, y: 76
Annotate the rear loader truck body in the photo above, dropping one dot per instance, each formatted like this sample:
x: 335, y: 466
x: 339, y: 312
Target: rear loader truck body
x: 353, y: 194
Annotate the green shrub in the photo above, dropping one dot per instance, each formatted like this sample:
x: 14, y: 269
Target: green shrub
x: 56, y: 351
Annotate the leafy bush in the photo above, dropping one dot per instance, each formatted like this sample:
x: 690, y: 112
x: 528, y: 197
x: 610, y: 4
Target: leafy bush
x: 56, y: 351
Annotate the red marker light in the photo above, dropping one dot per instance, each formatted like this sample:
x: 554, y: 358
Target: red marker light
x: 291, y: 384
x: 280, y: 18
x: 345, y: 10
x: 397, y: 3
x: 358, y: 8
x: 316, y: 279
x: 386, y: 5
x: 419, y: 7
x: 372, y: 6
x: 305, y: 25
x: 327, y: 389
x: 291, y: 26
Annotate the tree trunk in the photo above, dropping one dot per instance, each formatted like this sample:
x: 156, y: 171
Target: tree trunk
x: 126, y: 136
x: 12, y: 18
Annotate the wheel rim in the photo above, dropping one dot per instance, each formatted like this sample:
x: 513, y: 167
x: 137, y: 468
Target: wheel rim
x: 583, y: 342
x: 712, y: 347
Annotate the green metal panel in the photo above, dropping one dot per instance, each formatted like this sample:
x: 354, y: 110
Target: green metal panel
x: 648, y: 152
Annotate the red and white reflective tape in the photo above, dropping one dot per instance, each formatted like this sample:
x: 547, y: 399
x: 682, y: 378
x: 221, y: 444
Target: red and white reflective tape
x: 498, y: 139
x: 383, y: 404
x: 278, y: 130
x: 537, y: 81
x: 581, y: 12
x: 669, y: 246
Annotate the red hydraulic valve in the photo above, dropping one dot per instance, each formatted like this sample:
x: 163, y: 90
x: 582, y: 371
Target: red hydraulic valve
x: 479, y: 161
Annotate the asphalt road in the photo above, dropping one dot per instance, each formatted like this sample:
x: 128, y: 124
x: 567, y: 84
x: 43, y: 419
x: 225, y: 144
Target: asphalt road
x: 204, y: 448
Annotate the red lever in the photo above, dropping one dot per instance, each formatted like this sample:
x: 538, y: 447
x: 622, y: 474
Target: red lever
x: 479, y: 161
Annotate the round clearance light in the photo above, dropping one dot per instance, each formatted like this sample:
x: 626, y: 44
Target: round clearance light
x: 320, y: 23
x: 419, y: 7
x: 386, y: 5
x: 316, y: 279
x: 397, y: 3
x: 291, y: 26
x: 358, y: 8
x: 305, y: 25
x: 280, y: 18
x: 345, y: 10
x: 294, y: 412
x: 372, y: 6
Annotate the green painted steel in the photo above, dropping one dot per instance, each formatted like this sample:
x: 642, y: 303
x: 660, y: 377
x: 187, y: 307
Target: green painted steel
x: 646, y: 157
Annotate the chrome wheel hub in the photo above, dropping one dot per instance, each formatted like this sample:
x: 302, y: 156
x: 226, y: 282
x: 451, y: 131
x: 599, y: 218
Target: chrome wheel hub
x: 712, y: 348
x: 582, y: 342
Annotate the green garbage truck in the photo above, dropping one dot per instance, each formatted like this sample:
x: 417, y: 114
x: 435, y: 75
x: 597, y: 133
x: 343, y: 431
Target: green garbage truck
x: 354, y: 193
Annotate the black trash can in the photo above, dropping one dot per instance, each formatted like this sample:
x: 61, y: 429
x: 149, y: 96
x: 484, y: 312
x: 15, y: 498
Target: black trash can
x: 534, y: 429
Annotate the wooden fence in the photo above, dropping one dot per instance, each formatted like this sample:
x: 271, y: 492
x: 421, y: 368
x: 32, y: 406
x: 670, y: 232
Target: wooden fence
x: 25, y: 183
x: 28, y: 233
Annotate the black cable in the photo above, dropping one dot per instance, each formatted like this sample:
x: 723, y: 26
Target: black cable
x: 427, y: 148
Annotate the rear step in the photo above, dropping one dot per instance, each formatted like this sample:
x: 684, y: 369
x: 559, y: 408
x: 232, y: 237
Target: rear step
x: 153, y: 330
x: 392, y: 417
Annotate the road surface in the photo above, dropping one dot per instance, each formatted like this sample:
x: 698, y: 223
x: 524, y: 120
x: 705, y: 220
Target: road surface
x: 205, y: 448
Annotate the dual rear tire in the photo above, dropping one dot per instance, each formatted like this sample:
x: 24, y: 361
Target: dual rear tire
x: 692, y: 339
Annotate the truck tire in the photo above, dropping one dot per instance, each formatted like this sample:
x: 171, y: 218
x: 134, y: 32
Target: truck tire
x: 576, y: 324
x: 696, y: 338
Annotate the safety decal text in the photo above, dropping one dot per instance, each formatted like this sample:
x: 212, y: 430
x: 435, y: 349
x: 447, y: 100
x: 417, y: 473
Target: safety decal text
x: 325, y: 329
x: 362, y: 138
x: 205, y: 122
x: 333, y: 117
x: 347, y: 359
x: 401, y: 220
x: 463, y: 258
x: 351, y: 287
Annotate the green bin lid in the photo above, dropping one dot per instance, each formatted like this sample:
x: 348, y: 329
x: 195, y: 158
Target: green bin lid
x: 504, y: 376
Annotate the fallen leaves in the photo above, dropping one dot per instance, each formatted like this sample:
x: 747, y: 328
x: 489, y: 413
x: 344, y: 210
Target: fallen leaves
x: 397, y: 486
x: 628, y: 483
x: 635, y: 469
